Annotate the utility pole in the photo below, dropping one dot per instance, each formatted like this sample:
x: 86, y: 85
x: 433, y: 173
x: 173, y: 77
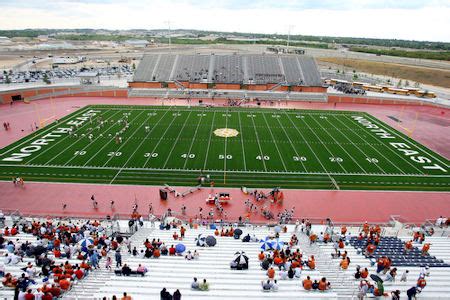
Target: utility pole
x: 289, y: 37
x: 170, y: 41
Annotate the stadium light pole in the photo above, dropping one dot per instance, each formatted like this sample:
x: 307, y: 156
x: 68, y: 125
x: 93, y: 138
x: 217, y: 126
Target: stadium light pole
x: 170, y: 41
x: 289, y: 37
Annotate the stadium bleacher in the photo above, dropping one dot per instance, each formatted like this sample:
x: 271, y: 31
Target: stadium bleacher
x: 213, y: 264
x: 224, y: 68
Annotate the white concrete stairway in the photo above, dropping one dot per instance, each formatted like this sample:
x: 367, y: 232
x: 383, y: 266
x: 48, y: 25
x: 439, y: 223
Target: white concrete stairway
x: 177, y: 273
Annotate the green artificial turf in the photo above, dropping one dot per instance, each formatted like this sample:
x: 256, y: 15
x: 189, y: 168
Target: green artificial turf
x: 274, y: 148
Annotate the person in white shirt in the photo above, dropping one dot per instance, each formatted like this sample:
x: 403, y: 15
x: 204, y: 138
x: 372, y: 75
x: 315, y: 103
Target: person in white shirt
x: 274, y: 286
x: 282, y: 274
x: 404, y: 276
x: 38, y: 295
x: 298, y: 272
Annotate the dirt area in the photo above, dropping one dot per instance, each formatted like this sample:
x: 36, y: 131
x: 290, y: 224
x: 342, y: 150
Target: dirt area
x: 420, y: 74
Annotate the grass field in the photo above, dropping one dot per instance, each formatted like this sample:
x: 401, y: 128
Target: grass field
x: 436, y: 77
x: 174, y: 145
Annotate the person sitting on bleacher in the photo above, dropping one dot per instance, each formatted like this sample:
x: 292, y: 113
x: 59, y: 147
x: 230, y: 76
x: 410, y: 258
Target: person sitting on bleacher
x: 9, y: 280
x: 391, y: 275
x: 315, y: 285
x: 141, y: 269
x: 408, y: 246
x: 79, y: 274
x: 323, y: 284
x: 266, y: 286
x: 425, y: 249
x: 64, y: 284
x: 163, y: 249
x: 126, y: 271
x: 172, y: 250
x: 204, y: 286
x: 307, y: 283
x: 195, y: 285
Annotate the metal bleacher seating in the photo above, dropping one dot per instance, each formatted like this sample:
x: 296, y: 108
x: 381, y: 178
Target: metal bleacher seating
x: 393, y: 248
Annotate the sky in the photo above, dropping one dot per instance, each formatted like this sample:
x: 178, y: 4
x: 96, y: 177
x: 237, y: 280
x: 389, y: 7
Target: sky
x: 399, y: 19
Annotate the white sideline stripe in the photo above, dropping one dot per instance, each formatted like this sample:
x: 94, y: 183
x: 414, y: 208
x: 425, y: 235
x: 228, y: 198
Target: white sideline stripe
x: 187, y: 187
x: 27, y: 139
x: 229, y: 171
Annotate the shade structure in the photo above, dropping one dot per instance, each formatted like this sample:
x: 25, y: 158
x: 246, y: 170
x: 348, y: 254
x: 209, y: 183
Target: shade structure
x: 201, y: 240
x: 180, y: 248
x: 277, y: 244
x: 266, y: 244
x: 211, y: 241
x: 238, y: 232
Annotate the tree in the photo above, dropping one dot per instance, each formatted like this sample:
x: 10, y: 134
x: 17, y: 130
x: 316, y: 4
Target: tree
x: 355, y: 76
x: 417, y: 85
x: 338, y: 71
x: 406, y: 83
x: 399, y: 83
x: 7, y: 79
x: 134, y: 66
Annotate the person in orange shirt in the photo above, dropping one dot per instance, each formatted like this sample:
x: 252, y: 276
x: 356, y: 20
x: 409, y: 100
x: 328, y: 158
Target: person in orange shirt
x: 364, y: 273
x: 64, y: 284
x: 307, y: 284
x: 312, y: 262
x: 425, y: 249
x: 126, y: 297
x: 344, y: 264
x: 156, y: 253
x: 312, y: 238
x: 370, y: 249
x: 421, y: 282
x: 277, y: 260
x: 216, y: 232
x: 341, y: 244
x: 408, y: 246
x: 271, y: 273
x: 261, y: 256
x: 323, y: 285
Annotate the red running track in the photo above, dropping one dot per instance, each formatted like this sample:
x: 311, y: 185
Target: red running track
x: 430, y: 128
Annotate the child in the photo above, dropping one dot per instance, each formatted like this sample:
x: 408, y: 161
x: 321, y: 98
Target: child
x: 404, y: 276
x: 108, y: 263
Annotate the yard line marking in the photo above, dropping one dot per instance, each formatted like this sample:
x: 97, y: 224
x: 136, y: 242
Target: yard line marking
x: 140, y: 144
x: 351, y: 157
x: 275, y: 142
x: 51, y: 127
x: 292, y: 145
x: 79, y: 140
x: 374, y: 148
x: 411, y: 141
x: 193, y: 140
x: 259, y: 145
x: 176, y: 141
x: 225, y: 150
x: 53, y: 145
x: 398, y: 154
x: 209, y: 141
x: 106, y: 144
x: 242, y: 140
x: 309, y: 146
x: 134, y: 132
x: 160, y: 139
x: 359, y: 149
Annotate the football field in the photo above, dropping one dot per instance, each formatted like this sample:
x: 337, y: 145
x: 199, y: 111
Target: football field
x: 252, y: 147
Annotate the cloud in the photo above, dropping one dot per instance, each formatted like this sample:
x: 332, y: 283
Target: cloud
x: 420, y: 20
